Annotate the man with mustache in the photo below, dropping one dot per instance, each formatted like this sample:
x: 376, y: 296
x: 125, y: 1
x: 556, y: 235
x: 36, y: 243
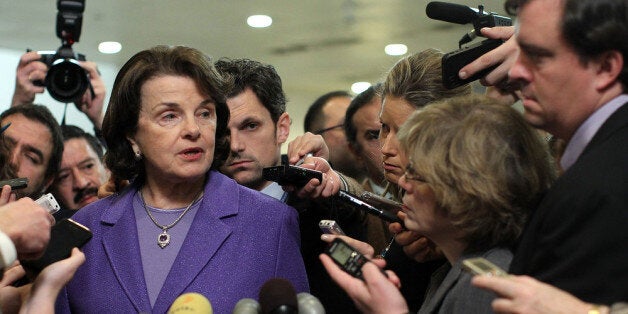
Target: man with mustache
x: 81, y: 172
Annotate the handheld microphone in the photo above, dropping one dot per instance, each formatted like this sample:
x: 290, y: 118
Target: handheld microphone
x: 191, y: 303
x: 451, y: 12
x: 277, y: 296
x: 246, y: 306
x: 309, y: 304
x: 462, y: 14
x: 358, y: 203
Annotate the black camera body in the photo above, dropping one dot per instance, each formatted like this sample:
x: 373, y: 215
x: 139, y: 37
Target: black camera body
x: 454, y: 61
x: 66, y: 81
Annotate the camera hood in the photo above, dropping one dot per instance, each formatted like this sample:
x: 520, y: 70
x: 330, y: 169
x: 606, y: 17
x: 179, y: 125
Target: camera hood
x: 66, y: 80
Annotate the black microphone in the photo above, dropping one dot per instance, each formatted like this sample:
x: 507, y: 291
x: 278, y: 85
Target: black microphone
x: 360, y: 204
x: 277, y: 296
x: 451, y: 12
x: 462, y: 14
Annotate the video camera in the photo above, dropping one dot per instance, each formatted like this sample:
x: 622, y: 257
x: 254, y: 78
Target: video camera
x: 66, y: 81
x: 456, y: 60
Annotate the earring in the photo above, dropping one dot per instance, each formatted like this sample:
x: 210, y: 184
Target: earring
x: 138, y: 155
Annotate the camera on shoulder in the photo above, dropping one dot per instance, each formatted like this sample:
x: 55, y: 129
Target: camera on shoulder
x: 66, y: 81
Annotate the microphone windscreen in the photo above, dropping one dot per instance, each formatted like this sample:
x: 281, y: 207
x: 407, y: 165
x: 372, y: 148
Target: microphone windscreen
x: 451, y: 12
x: 309, y: 304
x: 191, y: 303
x: 246, y: 306
x: 277, y: 296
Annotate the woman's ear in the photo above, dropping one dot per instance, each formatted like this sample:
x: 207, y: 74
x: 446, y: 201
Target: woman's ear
x: 136, y: 149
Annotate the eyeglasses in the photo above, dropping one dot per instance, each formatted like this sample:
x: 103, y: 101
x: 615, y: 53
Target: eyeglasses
x: 411, y: 175
x: 321, y: 131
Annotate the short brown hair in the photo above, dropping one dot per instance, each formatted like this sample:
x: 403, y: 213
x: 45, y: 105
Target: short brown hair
x: 488, y: 168
x: 121, y: 118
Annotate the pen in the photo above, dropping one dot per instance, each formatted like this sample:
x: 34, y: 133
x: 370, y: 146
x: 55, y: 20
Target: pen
x: 4, y: 127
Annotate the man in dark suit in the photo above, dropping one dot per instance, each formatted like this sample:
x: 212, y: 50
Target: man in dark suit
x: 258, y: 126
x: 572, y: 72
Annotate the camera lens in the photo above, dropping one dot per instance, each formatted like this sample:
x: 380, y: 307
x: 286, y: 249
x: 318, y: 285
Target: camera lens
x: 66, y: 80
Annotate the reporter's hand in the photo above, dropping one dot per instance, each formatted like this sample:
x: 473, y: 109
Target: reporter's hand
x: 28, y: 225
x: 11, y: 298
x: 29, y: 70
x: 415, y: 246
x: 376, y: 294
x: 505, y: 56
x: 7, y: 195
x: 112, y: 186
x: 523, y: 294
x: 307, y: 143
x: 92, y: 105
x: 330, y: 185
x: 49, y: 283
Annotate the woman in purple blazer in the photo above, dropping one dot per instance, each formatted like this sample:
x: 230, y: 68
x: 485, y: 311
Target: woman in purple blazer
x: 180, y: 226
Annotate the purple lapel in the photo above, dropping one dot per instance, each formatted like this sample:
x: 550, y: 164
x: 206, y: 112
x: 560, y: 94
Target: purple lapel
x: 207, y: 233
x: 122, y: 250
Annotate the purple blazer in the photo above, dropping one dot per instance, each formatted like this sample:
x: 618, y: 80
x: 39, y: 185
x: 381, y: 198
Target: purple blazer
x: 238, y: 240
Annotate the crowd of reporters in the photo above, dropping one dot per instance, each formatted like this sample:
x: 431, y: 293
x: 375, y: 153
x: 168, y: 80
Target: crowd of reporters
x: 180, y: 151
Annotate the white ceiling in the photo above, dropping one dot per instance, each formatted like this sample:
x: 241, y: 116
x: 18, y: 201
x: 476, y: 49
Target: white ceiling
x: 316, y: 46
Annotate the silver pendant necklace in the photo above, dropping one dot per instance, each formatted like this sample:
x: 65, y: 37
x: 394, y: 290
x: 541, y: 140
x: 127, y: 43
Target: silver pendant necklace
x: 163, y: 239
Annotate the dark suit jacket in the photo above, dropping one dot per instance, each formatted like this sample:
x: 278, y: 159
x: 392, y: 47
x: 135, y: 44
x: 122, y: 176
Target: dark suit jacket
x: 353, y: 223
x: 577, y: 239
x: 451, y: 291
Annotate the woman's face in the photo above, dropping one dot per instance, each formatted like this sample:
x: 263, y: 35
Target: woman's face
x: 395, y: 111
x: 420, y: 205
x: 176, y: 129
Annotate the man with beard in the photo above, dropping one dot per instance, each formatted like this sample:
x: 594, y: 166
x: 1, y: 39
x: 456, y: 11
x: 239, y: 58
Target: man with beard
x: 259, y: 125
x: 81, y: 171
x: 36, y: 146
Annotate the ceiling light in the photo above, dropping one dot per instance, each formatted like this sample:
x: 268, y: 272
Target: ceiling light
x: 109, y: 47
x: 359, y: 87
x: 396, y: 49
x: 259, y: 21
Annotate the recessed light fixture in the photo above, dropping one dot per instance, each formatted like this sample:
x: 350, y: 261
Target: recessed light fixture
x: 359, y: 87
x: 259, y: 21
x: 109, y: 47
x: 396, y: 49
